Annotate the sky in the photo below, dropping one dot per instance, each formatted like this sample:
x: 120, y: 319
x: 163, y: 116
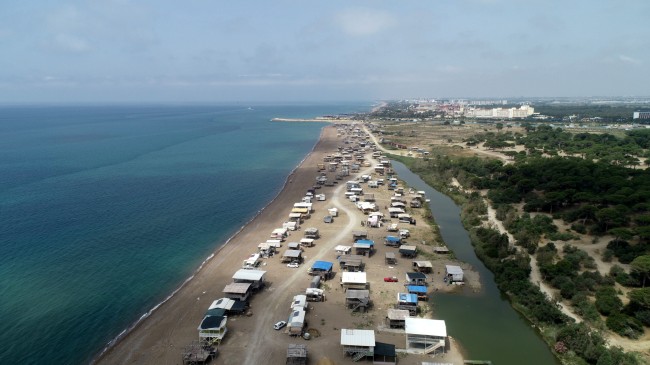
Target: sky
x: 219, y: 51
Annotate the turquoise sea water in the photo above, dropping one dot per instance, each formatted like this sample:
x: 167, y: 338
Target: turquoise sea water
x: 104, y: 210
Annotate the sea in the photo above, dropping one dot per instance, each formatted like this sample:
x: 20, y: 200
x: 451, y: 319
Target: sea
x: 107, y: 209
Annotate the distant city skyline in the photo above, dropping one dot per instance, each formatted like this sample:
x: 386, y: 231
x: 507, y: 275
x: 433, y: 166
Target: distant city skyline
x: 261, y: 51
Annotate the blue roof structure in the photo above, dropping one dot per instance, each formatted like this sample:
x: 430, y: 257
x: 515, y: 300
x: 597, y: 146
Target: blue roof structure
x: 322, y: 265
x: 393, y: 239
x: 407, y: 298
x: 366, y: 242
x: 417, y: 289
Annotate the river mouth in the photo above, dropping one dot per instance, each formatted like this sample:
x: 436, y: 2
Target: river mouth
x: 483, y: 322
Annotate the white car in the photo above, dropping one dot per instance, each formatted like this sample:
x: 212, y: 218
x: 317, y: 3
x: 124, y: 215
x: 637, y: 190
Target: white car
x: 279, y: 325
x: 293, y: 265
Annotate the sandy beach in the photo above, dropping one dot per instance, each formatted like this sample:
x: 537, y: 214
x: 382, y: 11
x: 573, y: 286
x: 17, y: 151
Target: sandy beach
x: 251, y: 339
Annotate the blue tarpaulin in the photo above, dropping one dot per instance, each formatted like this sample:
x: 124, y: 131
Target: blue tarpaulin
x: 393, y: 239
x: 322, y: 265
x: 366, y: 242
x: 417, y: 289
x: 407, y: 298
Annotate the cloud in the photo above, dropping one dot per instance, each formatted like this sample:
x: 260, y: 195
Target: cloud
x: 629, y: 60
x: 70, y: 43
x: 364, y: 22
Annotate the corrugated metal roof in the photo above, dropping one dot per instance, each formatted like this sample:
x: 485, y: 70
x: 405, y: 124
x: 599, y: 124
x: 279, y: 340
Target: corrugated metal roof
x: 351, y: 337
x: 426, y: 327
x: 244, y: 274
x: 453, y: 269
x: 237, y: 288
x: 353, y: 277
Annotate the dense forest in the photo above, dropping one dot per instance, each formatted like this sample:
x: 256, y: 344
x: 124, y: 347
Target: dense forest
x: 573, y: 178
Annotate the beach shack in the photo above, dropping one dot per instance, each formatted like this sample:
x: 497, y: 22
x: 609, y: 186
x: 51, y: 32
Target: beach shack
x: 425, y: 336
x: 227, y: 306
x: 266, y: 249
x: 419, y: 290
x: 454, y: 274
x: 322, y: 269
x: 408, y: 251
x: 357, y: 299
x: 343, y: 250
x: 359, y: 235
x: 212, y: 329
x: 423, y: 266
x: 296, y: 217
x: 354, y: 280
x: 416, y: 278
x: 395, y: 317
x: 364, y: 247
x: 393, y: 241
x: 238, y: 291
x: 312, y: 233
x: 358, y: 343
x: 351, y: 263
x: 292, y: 256
x: 293, y: 246
x: 385, y: 354
x: 253, y: 277
x: 407, y: 301
x: 303, y: 205
x: 390, y: 258
x: 306, y: 242
x: 296, y: 354
x: 296, y: 322
x: 395, y: 212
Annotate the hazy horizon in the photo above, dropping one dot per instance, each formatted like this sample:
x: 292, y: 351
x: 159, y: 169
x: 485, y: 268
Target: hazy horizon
x: 118, y: 51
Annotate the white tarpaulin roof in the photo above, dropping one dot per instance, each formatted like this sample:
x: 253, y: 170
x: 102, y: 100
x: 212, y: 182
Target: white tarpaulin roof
x: 395, y: 210
x: 342, y: 248
x: 357, y: 337
x: 254, y: 275
x: 426, y: 327
x: 353, y: 277
x: 223, y: 303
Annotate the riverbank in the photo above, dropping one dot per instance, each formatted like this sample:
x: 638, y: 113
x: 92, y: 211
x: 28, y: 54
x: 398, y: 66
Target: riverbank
x: 251, y: 338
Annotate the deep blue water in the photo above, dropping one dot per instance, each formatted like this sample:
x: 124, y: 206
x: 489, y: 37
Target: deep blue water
x: 104, y: 210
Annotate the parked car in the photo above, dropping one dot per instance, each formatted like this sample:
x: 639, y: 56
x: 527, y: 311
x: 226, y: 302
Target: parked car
x: 328, y: 219
x: 279, y: 325
x: 293, y: 265
x: 390, y: 279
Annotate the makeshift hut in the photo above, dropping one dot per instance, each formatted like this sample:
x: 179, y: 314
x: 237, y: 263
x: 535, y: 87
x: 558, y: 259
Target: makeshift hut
x: 212, y: 329
x: 296, y: 354
x: 238, y: 291
x: 292, y: 256
x: 322, y: 269
x: 407, y: 302
x: 453, y: 273
x: 358, y: 343
x: 354, y: 280
x: 390, y: 258
x: 385, y: 354
x: 408, y: 251
x: 416, y: 278
x: 423, y: 266
x: 425, y: 336
x: 393, y: 241
x: 357, y: 300
x: 253, y: 277
x: 419, y: 290
x: 395, y: 317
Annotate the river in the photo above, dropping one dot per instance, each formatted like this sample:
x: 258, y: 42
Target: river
x: 484, y: 323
